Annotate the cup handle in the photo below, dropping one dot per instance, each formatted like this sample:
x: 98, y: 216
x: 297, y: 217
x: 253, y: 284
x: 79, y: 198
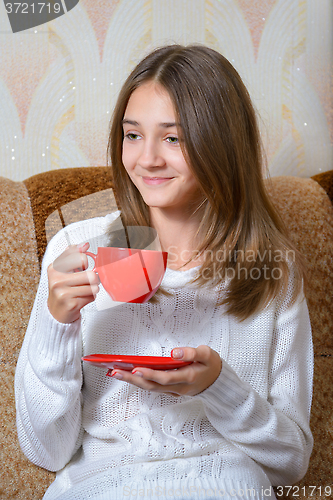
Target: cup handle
x: 93, y: 256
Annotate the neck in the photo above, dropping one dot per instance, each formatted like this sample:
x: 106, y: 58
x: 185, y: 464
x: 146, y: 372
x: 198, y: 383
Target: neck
x: 177, y: 235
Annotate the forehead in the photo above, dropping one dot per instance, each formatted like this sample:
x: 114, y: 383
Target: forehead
x: 150, y: 97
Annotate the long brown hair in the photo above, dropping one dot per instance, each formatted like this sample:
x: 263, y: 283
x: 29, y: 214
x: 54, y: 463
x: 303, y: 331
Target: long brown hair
x: 241, y: 237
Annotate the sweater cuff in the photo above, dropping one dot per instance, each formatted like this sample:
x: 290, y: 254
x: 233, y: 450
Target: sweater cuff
x: 55, y: 342
x: 226, y: 393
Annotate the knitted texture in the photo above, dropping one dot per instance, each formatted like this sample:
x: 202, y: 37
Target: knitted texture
x: 250, y: 428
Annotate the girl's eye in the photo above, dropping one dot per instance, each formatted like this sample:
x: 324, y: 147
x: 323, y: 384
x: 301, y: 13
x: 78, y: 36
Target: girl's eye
x: 132, y: 137
x: 172, y: 140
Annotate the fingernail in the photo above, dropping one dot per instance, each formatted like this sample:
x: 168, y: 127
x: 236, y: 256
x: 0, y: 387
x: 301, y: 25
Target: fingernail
x: 177, y: 353
x: 82, y: 246
x: 138, y: 374
x: 117, y: 375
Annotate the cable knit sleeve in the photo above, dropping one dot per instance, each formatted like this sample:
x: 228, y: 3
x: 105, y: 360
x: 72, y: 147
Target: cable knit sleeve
x: 48, y: 376
x: 48, y: 381
x: 273, y: 430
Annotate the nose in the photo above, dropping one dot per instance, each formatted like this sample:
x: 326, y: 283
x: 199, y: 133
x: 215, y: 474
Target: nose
x: 151, y: 154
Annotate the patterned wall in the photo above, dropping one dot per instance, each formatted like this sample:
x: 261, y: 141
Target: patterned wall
x: 59, y: 81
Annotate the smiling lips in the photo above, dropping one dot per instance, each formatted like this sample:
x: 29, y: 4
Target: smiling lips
x: 156, y: 180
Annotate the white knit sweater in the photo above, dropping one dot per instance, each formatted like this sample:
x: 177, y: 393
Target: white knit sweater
x: 110, y: 440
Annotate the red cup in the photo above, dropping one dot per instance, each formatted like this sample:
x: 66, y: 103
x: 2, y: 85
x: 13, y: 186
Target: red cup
x: 129, y: 274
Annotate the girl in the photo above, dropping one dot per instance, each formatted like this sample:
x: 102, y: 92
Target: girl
x: 186, y: 161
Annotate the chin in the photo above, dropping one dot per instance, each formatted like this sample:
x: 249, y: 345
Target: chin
x: 155, y: 203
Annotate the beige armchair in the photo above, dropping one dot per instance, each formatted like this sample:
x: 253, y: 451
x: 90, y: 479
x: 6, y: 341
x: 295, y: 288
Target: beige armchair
x: 31, y: 210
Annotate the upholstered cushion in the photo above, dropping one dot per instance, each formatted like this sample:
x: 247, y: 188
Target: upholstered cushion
x: 49, y: 192
x: 19, y: 276
x: 308, y: 215
x: 325, y: 179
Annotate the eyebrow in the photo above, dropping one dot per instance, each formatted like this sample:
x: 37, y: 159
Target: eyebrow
x: 163, y: 125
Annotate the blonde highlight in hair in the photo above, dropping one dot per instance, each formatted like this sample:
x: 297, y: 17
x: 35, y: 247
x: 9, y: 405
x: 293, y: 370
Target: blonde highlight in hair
x: 222, y: 145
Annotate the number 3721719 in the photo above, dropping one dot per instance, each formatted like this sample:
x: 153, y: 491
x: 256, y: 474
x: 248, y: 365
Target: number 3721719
x: 305, y: 491
x: 32, y: 7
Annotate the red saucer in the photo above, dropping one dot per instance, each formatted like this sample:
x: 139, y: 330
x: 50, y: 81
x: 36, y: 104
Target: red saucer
x: 124, y: 362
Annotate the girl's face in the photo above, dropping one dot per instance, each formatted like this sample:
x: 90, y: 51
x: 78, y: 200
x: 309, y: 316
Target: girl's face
x: 152, y: 155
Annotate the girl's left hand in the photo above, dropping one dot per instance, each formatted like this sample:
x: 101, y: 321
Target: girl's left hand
x: 187, y: 381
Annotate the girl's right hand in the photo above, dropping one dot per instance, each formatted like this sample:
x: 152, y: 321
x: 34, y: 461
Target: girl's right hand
x: 71, y: 287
